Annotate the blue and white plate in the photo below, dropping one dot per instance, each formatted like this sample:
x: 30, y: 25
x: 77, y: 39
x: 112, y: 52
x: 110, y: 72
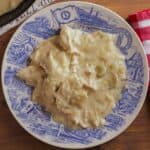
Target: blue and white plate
x: 46, y: 23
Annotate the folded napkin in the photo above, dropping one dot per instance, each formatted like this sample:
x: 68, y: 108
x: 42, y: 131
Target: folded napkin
x: 140, y: 21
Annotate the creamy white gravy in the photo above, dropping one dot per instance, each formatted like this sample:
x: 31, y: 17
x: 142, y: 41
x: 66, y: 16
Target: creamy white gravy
x: 77, y: 76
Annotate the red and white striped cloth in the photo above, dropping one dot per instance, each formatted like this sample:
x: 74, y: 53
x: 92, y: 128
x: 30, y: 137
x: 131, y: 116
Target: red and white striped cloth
x: 140, y: 21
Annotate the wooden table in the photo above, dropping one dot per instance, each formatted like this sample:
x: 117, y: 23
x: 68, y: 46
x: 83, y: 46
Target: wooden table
x: 136, y: 137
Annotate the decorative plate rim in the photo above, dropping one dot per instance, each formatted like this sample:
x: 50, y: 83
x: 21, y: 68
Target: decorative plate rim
x: 134, y: 115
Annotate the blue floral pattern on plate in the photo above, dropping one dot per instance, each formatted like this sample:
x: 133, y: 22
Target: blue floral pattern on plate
x: 46, y: 24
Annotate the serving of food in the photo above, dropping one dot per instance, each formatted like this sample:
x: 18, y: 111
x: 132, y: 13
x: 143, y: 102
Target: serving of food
x: 8, y: 5
x: 12, y: 9
x: 75, y: 75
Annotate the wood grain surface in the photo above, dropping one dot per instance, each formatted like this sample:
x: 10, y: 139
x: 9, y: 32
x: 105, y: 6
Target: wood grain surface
x: 136, y: 137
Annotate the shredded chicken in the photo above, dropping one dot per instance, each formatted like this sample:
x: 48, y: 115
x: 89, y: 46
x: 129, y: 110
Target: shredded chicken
x: 77, y: 76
